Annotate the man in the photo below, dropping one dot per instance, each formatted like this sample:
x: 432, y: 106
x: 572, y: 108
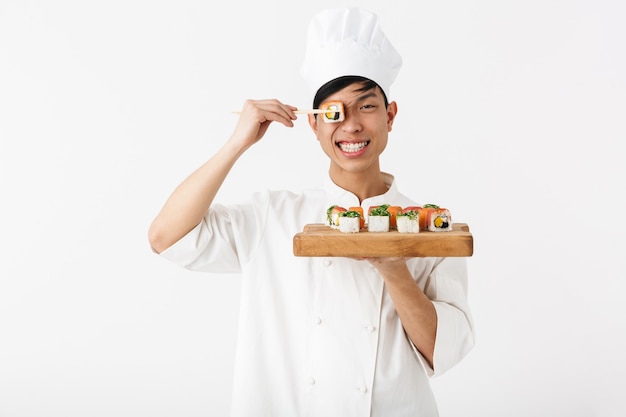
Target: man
x: 324, y: 336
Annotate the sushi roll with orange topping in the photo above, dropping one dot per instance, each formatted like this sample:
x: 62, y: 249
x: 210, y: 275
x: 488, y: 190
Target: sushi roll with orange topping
x: 423, y: 216
x: 333, y: 111
x: 440, y: 220
x: 393, y: 214
x: 435, y: 218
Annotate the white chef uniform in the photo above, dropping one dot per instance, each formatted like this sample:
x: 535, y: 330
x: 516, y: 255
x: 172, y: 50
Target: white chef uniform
x: 320, y: 336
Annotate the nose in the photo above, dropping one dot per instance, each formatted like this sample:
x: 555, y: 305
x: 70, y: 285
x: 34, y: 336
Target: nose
x: 351, y: 121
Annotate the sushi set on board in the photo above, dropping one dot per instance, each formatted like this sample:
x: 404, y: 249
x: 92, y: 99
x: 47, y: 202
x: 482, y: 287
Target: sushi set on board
x: 390, y: 231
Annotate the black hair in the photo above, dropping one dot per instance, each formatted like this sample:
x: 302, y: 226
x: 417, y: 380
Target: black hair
x: 340, y: 83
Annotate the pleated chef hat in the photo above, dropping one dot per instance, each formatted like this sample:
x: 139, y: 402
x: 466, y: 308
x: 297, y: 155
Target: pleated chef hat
x: 348, y: 41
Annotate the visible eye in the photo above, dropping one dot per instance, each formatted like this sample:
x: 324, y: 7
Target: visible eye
x: 368, y: 107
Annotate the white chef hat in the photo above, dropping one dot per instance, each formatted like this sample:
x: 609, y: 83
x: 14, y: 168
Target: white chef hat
x: 348, y: 41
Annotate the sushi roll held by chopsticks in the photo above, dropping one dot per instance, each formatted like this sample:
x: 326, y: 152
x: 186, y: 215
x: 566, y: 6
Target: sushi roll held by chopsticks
x: 332, y: 111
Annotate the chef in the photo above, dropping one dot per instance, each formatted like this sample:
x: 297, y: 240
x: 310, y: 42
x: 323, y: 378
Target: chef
x: 324, y: 336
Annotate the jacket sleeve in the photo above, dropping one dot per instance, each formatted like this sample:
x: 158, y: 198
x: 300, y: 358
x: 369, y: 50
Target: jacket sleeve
x: 224, y: 239
x: 447, y: 289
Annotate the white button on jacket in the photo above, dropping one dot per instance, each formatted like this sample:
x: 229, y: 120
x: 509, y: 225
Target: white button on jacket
x: 310, y: 327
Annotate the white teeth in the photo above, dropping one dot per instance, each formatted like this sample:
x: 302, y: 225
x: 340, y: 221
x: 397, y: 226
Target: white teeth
x: 352, y: 147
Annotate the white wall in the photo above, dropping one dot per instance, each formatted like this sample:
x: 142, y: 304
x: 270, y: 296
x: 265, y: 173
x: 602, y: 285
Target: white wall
x: 106, y: 106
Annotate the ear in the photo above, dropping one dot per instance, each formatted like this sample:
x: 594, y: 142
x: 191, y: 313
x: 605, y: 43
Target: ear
x: 313, y: 123
x: 392, y: 111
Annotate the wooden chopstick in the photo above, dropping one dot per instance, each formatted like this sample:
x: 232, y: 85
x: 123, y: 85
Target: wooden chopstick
x: 314, y: 111
x: 306, y: 111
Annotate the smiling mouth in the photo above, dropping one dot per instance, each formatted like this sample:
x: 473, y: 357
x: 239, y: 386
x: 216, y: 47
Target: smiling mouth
x: 352, y: 147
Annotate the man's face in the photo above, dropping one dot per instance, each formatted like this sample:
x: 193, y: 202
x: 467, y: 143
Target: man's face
x: 356, y: 143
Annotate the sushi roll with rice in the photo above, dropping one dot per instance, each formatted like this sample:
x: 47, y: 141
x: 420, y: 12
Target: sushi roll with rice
x: 435, y: 219
x: 407, y: 221
x: 359, y: 210
x: 378, y: 218
x: 333, y: 111
x: 440, y: 220
x: 332, y: 216
x: 349, y: 221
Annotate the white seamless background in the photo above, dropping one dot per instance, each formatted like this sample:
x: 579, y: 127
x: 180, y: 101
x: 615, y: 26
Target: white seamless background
x: 511, y: 114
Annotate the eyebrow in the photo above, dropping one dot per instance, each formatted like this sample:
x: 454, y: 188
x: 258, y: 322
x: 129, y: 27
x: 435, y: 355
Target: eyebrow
x: 363, y: 97
x: 366, y: 96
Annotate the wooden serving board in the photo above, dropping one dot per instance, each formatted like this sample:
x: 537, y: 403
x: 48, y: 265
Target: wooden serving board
x: 321, y: 240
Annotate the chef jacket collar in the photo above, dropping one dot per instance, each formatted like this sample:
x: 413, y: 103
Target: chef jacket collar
x: 345, y: 198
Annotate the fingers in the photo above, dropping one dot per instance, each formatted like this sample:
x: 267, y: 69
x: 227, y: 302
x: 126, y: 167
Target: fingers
x: 271, y: 110
x: 256, y: 117
x: 387, y: 261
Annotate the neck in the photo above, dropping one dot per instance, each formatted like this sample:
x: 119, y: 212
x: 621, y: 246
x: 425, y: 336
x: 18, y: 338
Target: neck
x: 363, y: 184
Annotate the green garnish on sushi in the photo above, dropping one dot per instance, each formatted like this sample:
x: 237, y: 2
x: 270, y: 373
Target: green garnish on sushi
x: 411, y: 214
x: 380, y: 210
x: 328, y: 214
x: 350, y: 213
